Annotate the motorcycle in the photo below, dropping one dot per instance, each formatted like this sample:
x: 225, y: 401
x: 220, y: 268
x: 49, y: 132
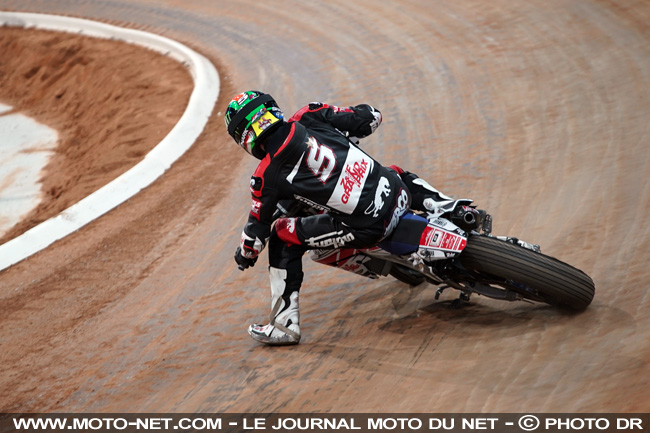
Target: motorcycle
x: 453, y: 247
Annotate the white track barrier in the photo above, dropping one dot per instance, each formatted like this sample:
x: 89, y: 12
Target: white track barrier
x: 172, y: 147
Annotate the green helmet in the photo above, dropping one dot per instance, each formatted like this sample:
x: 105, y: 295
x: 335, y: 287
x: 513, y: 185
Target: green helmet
x: 250, y: 117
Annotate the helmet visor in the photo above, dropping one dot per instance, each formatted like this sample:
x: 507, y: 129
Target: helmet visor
x: 258, y: 121
x: 251, y: 118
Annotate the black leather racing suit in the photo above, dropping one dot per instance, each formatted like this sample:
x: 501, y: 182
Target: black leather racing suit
x: 311, y: 158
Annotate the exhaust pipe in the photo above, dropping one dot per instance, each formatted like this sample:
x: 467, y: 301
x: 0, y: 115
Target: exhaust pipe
x: 469, y: 218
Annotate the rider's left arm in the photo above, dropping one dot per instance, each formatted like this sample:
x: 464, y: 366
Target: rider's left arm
x: 357, y: 122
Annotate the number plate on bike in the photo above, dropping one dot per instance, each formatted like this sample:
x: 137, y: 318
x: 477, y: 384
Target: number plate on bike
x: 439, y: 240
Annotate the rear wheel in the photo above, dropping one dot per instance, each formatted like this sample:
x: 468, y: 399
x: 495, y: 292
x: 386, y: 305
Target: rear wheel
x: 533, y: 275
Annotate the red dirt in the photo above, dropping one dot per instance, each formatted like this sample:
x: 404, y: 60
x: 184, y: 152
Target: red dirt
x: 99, y: 95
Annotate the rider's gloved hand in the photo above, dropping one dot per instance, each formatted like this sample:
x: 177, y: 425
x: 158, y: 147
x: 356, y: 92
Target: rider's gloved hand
x: 242, y: 261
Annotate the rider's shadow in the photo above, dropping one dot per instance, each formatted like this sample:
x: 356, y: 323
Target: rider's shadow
x: 404, y: 331
x: 395, y: 307
x: 416, y: 308
x: 478, y: 314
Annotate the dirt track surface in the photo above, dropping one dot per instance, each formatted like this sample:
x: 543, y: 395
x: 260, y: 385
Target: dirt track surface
x: 538, y: 110
x: 99, y: 98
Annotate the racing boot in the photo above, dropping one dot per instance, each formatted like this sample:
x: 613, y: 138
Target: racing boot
x: 283, y: 328
x: 428, y: 198
x: 424, y: 197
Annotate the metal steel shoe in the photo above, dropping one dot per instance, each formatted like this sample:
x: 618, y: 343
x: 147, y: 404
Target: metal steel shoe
x: 273, y: 336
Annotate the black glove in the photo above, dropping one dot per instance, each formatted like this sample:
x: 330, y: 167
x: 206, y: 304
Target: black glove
x: 244, y: 262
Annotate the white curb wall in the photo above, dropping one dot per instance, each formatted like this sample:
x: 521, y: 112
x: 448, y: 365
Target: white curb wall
x: 172, y: 147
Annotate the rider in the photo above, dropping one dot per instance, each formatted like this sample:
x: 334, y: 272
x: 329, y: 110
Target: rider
x: 313, y: 158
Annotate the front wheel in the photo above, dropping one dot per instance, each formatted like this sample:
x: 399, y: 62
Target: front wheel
x: 533, y: 275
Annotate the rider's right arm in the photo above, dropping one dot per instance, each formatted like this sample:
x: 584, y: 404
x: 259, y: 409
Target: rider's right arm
x: 258, y: 227
x: 264, y: 199
x: 424, y: 197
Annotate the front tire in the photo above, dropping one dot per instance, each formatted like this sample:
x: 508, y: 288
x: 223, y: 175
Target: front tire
x: 533, y: 275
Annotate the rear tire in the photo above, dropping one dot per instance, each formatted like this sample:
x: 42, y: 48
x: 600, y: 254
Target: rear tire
x: 533, y: 275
